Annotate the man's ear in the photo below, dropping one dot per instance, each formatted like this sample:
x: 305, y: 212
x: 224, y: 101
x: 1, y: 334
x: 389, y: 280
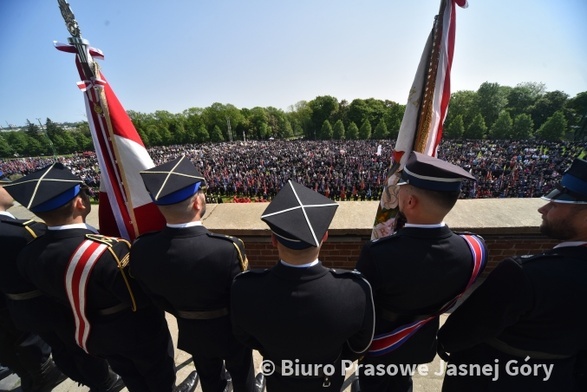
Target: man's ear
x: 273, y: 240
x: 324, y: 237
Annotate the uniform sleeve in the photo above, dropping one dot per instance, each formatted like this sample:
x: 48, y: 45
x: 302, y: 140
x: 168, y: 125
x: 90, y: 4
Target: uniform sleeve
x: 125, y: 288
x: 238, y: 316
x: 366, y: 266
x: 360, y: 342
x: 496, y: 304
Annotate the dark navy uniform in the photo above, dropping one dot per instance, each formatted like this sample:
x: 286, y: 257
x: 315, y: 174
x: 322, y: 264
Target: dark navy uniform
x: 22, y: 351
x: 301, y: 313
x: 38, y: 315
x: 137, y: 344
x: 417, y: 271
x: 188, y: 272
x: 315, y: 315
x: 413, y: 274
x: 527, y: 307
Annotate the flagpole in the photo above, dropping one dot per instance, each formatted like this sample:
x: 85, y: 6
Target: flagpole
x: 121, y: 153
x: 421, y: 126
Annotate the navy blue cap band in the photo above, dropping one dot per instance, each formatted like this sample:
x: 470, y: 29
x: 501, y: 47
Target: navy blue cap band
x: 179, y: 195
x: 574, y: 184
x: 58, y: 201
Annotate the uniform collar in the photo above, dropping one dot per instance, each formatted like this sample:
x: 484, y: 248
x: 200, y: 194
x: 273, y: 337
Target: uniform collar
x: 307, y: 265
x: 68, y: 227
x: 8, y: 214
x: 422, y: 226
x: 571, y: 243
x: 184, y: 225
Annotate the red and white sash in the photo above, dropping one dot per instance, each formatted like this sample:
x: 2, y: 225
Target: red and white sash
x: 76, y: 281
x: 387, y: 342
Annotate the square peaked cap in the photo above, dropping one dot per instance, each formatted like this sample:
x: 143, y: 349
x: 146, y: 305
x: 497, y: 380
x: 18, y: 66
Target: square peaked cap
x: 46, y: 189
x: 298, y: 216
x: 173, y: 181
x: 426, y: 172
x: 572, y: 188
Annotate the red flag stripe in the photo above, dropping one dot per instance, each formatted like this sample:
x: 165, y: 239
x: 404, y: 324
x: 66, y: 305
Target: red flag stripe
x: 76, y: 278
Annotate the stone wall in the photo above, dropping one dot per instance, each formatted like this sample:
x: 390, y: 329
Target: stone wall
x: 509, y: 227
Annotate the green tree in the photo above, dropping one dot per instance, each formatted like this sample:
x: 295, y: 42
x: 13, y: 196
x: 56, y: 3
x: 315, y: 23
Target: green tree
x: 202, y: 134
x: 19, y: 143
x: 300, y: 117
x: 522, y: 97
x: 326, y: 131
x: 217, y: 135
x: 338, y: 130
x: 381, y: 131
x: 554, y: 128
x: 153, y: 135
x: 5, y: 149
x: 523, y: 128
x: 221, y: 115
x: 84, y: 143
x: 365, y: 130
x: 455, y: 128
x: 477, y: 129
x: 323, y: 108
x: 352, y: 132
x: 491, y: 100
x: 393, y: 118
x: 546, y: 106
x: 464, y: 104
x: 502, y: 127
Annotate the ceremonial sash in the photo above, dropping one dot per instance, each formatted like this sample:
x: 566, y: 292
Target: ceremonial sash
x: 76, y: 281
x: 387, y: 342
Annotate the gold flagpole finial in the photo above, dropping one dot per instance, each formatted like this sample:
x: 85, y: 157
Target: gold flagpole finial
x: 69, y: 19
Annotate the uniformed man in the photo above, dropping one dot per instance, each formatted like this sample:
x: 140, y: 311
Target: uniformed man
x: 417, y: 272
x: 526, y: 321
x: 308, y: 320
x: 188, y: 271
x: 25, y: 353
x: 88, y: 273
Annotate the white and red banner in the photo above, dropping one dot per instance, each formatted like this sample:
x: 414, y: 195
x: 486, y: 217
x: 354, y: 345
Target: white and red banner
x: 125, y: 208
x: 421, y: 127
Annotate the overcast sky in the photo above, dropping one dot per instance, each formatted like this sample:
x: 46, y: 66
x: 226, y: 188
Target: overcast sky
x: 177, y: 54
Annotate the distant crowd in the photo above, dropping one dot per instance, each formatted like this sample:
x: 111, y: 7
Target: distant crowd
x: 341, y: 170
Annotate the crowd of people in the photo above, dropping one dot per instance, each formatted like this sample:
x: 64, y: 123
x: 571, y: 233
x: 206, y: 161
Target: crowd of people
x: 91, y: 307
x: 342, y: 170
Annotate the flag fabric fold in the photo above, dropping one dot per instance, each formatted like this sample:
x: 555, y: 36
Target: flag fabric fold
x: 426, y: 108
x: 125, y: 208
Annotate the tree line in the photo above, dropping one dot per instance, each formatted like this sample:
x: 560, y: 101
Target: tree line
x: 524, y: 112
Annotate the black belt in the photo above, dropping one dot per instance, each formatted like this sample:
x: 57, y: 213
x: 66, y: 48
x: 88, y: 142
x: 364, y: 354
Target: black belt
x: 24, y: 296
x: 112, y: 310
x: 502, y: 346
x: 202, y: 315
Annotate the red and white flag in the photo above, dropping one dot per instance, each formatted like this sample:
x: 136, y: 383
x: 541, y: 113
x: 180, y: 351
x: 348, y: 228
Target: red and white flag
x: 125, y: 207
x: 421, y: 127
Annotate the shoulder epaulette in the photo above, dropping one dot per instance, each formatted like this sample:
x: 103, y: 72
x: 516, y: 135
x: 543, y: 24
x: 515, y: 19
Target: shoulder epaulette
x: 25, y: 224
x: 239, y: 245
x: 253, y: 272
x: 110, y: 241
x: 347, y: 273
